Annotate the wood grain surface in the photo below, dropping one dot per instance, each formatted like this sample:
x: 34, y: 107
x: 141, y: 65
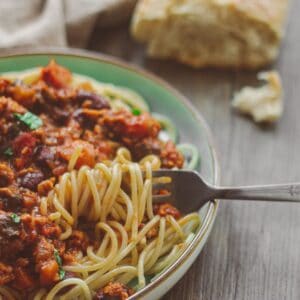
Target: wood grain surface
x: 254, y: 249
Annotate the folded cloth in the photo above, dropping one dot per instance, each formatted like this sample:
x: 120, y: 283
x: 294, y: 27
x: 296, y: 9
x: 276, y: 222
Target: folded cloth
x: 57, y: 22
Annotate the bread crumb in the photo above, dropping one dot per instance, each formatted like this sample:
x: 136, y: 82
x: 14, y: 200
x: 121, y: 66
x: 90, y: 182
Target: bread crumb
x: 265, y: 103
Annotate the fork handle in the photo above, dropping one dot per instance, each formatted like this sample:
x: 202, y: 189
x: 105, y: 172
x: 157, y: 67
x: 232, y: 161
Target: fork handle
x: 276, y: 192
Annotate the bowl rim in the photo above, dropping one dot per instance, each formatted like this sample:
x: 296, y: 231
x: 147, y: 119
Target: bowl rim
x: 213, y: 205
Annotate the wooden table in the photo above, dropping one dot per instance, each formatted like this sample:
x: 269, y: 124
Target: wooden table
x: 254, y: 249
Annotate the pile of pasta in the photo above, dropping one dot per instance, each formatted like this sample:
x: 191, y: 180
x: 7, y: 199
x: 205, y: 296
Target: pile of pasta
x: 117, y: 195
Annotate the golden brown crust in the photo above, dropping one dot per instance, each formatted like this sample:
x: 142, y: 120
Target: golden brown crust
x: 217, y: 33
x: 271, y: 12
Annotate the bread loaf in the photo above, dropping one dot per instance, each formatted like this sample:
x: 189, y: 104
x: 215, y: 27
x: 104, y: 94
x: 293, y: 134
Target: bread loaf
x: 217, y: 33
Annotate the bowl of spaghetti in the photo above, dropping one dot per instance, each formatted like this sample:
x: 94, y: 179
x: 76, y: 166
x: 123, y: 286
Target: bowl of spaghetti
x: 80, y: 136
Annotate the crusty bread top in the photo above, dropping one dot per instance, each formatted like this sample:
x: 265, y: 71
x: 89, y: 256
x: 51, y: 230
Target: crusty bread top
x: 217, y: 33
x: 270, y: 12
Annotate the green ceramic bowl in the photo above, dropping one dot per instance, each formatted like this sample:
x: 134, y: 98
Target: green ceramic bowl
x: 161, y: 98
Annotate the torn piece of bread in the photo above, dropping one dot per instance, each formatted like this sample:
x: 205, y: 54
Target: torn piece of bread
x: 218, y: 33
x: 265, y: 103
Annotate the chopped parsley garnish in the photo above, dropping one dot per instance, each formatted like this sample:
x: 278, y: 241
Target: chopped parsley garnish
x: 9, y: 152
x: 135, y: 111
x: 61, y: 271
x: 61, y: 274
x: 134, y: 283
x: 57, y: 258
x: 16, y: 219
x: 31, y: 120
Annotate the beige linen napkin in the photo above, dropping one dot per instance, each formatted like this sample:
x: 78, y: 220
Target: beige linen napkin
x: 57, y: 22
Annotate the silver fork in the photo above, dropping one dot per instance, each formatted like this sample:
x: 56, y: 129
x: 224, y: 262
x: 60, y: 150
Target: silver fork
x: 189, y: 191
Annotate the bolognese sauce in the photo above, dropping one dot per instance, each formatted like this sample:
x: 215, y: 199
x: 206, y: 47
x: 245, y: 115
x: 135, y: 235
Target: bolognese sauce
x: 40, y: 126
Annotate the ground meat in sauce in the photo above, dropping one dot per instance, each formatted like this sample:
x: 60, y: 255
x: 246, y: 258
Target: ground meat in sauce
x: 78, y: 240
x: 129, y: 128
x: 6, y: 273
x: 31, y: 179
x: 56, y: 75
x: 45, y: 263
x: 10, y: 199
x: 164, y: 209
x: 114, y: 291
x: 6, y: 174
x: 24, y: 276
x: 140, y: 135
x: 10, y: 244
x: 32, y: 159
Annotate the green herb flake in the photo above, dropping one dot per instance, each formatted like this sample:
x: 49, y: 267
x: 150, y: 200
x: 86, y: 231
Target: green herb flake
x: 16, y: 219
x: 61, y: 271
x: 57, y: 258
x: 29, y: 119
x: 134, y: 283
x: 136, y: 111
x: 8, y: 152
x: 61, y: 274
